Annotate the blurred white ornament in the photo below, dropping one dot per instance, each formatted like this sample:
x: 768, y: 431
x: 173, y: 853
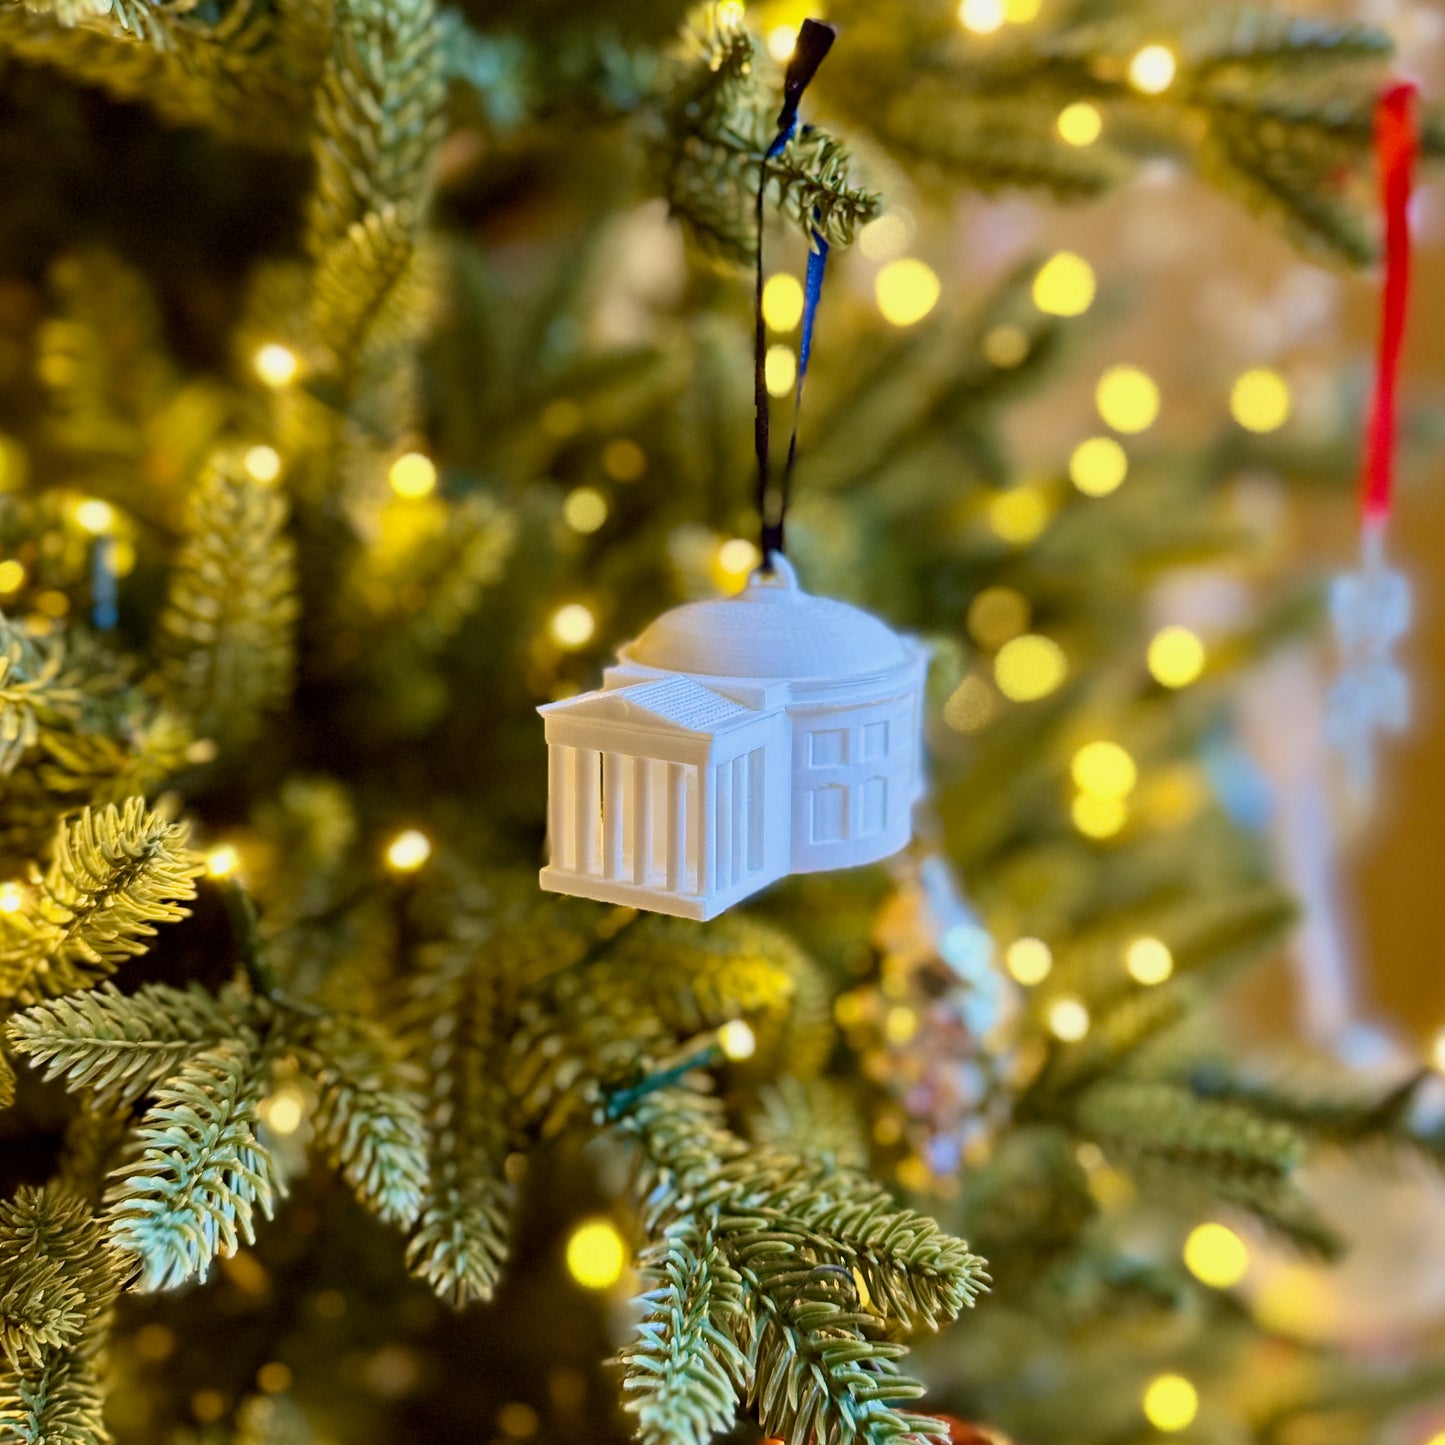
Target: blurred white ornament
x: 1371, y: 612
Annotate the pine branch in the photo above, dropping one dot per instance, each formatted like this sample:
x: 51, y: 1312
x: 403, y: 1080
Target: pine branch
x: 60, y: 1403
x: 812, y: 1119
x: 684, y: 1372
x: 199, y: 1174
x: 115, y: 873
x: 227, y: 633
x: 248, y: 76
x: 369, y: 1117
x: 117, y: 1047
x: 456, y: 1034
x: 58, y: 1281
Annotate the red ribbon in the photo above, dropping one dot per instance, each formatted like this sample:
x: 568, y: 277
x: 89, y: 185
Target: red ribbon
x: 1396, y: 145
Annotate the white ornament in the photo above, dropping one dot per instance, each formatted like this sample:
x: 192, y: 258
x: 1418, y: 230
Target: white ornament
x: 736, y: 741
x: 1371, y: 611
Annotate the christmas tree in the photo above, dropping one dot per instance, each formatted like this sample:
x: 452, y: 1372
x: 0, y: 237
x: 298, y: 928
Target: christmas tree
x: 370, y: 372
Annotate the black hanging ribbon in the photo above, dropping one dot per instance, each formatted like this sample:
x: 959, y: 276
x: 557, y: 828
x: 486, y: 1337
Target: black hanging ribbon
x: 815, y: 39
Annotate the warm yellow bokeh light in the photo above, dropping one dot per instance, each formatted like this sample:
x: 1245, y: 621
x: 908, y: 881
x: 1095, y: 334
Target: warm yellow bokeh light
x: 1098, y: 466
x: 12, y: 575
x: 1437, y: 1051
x: 997, y: 615
x: 737, y: 1040
x: 284, y: 1110
x: 1128, y: 399
x: 737, y: 558
x: 1148, y: 960
x: 1064, y: 285
x: 1080, y: 124
x: 1099, y: 817
x: 1019, y: 514
x: 222, y: 861
x: 1020, y: 12
x: 780, y: 370
x: 1029, y: 667
x: 1215, y: 1255
x: 887, y: 235
x: 95, y: 516
x: 1028, y: 960
x: 276, y: 365
x: 572, y: 625
x: 1068, y: 1020
x: 263, y: 464
x: 1176, y: 656
x: 623, y: 460
x: 899, y: 1024
x: 1170, y: 1403
x: 584, y: 509
x: 408, y: 851
x: 1006, y: 346
x: 982, y: 17
x: 12, y: 897
x: 970, y: 706
x: 781, y: 40
x: 1260, y: 400
x: 907, y: 290
x: 1104, y: 769
x: 730, y: 13
x: 783, y: 302
x: 1153, y: 69
x: 413, y: 474
x: 596, y: 1255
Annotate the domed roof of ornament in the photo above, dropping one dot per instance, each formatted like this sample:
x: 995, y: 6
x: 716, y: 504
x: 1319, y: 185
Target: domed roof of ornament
x: 772, y: 629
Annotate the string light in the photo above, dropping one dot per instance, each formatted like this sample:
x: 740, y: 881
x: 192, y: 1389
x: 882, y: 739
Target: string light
x: 95, y: 516
x: 1029, y: 667
x: 1098, y: 466
x: 1104, y: 769
x: 1260, y: 400
x: 408, y: 851
x: 906, y: 290
x: 12, y: 897
x: 1437, y: 1051
x: 596, y: 1255
x: 1128, y: 399
x: 1028, y: 960
x: 737, y: 1040
x: 12, y: 575
x: 1019, y: 514
x: 982, y: 17
x: 899, y: 1024
x: 623, y: 460
x: 413, y: 474
x: 222, y: 861
x: 886, y: 236
x: 1068, y: 1020
x: 783, y: 301
x: 781, y: 41
x: 734, y: 562
x: 1215, y: 1255
x: 1170, y: 1403
x: 1176, y: 657
x: 1080, y: 124
x: 274, y: 1377
x: 1153, y: 69
x: 969, y: 706
x: 1099, y: 817
x: 780, y: 370
x: 997, y: 615
x: 584, y: 509
x: 262, y: 464
x: 572, y: 625
x: 730, y: 14
x: 1149, y: 961
x: 284, y: 1110
x: 276, y: 365
x: 1006, y: 346
x: 1065, y: 285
